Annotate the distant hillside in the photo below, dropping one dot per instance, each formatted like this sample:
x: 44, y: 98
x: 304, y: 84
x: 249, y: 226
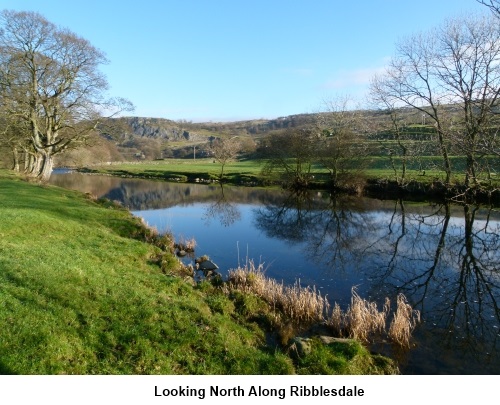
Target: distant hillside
x: 138, y: 138
x: 180, y: 131
x: 123, y: 129
x: 135, y: 138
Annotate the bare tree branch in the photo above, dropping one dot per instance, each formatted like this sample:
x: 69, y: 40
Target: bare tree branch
x: 493, y: 5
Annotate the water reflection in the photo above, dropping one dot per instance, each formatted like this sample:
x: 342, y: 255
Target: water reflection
x: 222, y: 209
x: 444, y: 258
x: 138, y: 194
x: 331, y: 228
x: 449, y: 266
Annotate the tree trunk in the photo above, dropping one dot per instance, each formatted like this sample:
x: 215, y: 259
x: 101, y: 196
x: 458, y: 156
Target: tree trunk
x: 47, y: 165
x: 444, y: 153
x: 470, y: 171
x: 30, y: 163
x: 40, y: 166
x: 15, y: 157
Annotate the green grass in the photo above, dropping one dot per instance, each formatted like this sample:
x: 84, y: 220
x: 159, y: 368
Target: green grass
x: 79, y: 295
x: 347, y: 357
x: 249, y: 171
x: 187, y: 170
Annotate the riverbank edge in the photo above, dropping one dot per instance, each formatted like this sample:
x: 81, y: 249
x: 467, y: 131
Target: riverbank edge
x: 374, y: 187
x: 207, y: 294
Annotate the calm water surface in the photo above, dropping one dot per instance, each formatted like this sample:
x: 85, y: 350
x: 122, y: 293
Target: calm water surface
x: 444, y: 258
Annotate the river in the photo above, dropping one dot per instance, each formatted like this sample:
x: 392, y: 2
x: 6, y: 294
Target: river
x: 444, y: 258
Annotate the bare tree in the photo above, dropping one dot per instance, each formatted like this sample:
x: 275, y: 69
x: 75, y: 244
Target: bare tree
x: 224, y: 151
x: 50, y: 86
x: 452, y: 76
x: 11, y: 143
x: 291, y: 155
x: 402, y: 146
x: 342, y: 148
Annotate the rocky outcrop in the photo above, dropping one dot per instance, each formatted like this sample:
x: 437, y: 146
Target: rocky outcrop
x: 161, y: 129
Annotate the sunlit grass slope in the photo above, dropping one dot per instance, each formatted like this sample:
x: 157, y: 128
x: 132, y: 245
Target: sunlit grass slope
x: 78, y: 295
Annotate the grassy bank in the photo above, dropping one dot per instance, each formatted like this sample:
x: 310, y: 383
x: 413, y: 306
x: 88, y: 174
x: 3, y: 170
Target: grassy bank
x: 81, y: 292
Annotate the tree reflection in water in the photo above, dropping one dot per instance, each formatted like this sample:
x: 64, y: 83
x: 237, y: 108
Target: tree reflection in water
x: 444, y: 258
x: 331, y: 228
x: 448, y: 265
x: 222, y: 209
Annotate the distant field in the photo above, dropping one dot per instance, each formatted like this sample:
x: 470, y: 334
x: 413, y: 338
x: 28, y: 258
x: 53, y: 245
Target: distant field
x: 189, y: 169
x: 186, y: 169
x: 188, y: 166
x: 425, y: 170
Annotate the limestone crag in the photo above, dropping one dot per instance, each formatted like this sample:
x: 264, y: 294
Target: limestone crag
x: 161, y: 129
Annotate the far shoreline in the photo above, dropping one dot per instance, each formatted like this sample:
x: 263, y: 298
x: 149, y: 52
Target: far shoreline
x: 371, y: 186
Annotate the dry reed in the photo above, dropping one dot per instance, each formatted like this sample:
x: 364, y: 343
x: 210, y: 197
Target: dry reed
x: 336, y: 321
x: 188, y: 245
x: 404, y: 322
x: 296, y: 302
x: 362, y: 320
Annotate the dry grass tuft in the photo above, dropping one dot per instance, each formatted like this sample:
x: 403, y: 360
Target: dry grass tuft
x: 304, y: 305
x: 336, y: 321
x: 362, y: 318
x: 296, y: 302
x: 188, y: 245
x: 404, y: 322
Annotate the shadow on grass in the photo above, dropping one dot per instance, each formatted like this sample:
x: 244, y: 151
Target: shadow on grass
x: 4, y: 370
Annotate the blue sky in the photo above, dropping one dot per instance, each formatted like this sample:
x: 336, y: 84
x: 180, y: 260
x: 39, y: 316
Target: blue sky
x: 226, y: 60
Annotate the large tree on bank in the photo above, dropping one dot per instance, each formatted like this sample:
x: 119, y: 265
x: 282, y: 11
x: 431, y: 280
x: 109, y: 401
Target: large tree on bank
x: 51, y: 89
x: 452, y: 76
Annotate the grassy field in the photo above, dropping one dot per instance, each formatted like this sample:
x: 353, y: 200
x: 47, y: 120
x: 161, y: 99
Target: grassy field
x: 187, y: 170
x: 81, y: 293
x: 250, y: 171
